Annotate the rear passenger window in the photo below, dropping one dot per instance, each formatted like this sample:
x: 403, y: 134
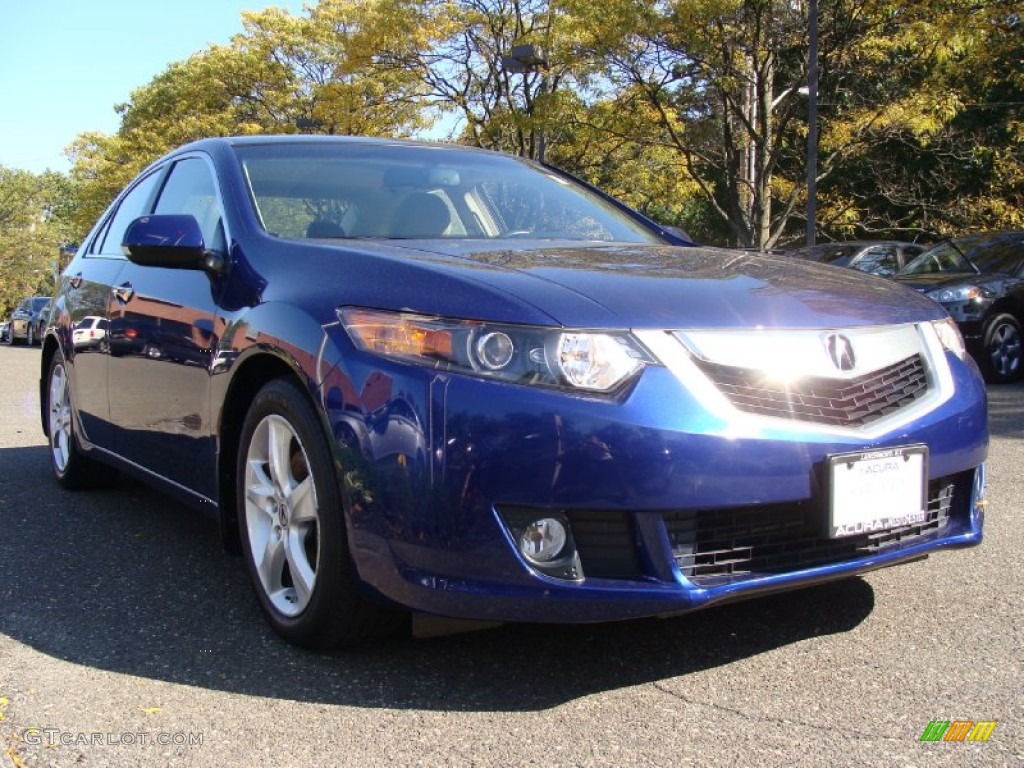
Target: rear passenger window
x: 136, y: 203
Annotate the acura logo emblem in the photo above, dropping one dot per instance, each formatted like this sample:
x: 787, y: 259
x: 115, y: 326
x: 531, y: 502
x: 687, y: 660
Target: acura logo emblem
x: 840, y: 351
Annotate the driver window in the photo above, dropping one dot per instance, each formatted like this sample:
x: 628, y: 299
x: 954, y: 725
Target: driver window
x: 190, y: 190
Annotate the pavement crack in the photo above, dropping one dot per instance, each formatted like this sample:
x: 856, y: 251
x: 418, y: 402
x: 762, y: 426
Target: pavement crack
x: 757, y: 718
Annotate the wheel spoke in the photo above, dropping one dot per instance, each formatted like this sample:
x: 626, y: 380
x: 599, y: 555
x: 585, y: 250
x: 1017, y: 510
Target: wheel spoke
x: 271, y: 565
x: 279, y: 440
x: 259, y: 489
x: 302, y: 573
x: 302, y: 503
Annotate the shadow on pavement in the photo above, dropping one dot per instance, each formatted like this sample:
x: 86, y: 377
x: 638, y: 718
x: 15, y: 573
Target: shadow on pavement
x: 128, y: 581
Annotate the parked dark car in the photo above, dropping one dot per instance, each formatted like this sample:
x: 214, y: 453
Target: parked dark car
x: 877, y: 257
x: 431, y: 379
x: 979, y: 279
x: 28, y: 321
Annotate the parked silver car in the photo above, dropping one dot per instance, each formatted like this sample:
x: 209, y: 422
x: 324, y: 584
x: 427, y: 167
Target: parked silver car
x: 28, y: 321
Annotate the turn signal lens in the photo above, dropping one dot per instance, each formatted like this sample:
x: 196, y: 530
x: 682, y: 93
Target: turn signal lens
x: 398, y: 335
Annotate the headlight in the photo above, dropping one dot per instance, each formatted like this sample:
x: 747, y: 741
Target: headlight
x: 590, y: 361
x: 960, y: 293
x: 950, y: 336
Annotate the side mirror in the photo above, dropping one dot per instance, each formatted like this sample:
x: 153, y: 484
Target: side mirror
x: 681, y: 234
x: 168, y: 240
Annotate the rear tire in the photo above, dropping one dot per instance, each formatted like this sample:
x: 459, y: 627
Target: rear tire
x: 1003, y: 357
x: 292, y: 526
x: 73, y: 470
x: 30, y: 336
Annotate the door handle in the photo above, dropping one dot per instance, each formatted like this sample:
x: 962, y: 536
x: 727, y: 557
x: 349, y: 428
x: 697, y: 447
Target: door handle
x: 124, y: 292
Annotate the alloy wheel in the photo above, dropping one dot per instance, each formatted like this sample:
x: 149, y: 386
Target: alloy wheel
x: 1005, y: 350
x: 281, y: 515
x: 60, y: 417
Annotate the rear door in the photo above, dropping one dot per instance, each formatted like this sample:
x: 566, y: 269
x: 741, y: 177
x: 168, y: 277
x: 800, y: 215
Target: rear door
x: 87, y: 291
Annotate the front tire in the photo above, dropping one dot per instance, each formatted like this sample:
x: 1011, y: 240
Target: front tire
x: 292, y: 527
x: 73, y: 470
x: 1003, y: 357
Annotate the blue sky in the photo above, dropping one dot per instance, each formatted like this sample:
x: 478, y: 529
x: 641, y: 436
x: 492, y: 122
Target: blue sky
x: 65, y: 64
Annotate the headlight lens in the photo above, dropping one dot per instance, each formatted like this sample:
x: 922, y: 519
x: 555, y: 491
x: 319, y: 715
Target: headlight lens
x: 950, y: 337
x: 590, y: 361
x: 959, y: 293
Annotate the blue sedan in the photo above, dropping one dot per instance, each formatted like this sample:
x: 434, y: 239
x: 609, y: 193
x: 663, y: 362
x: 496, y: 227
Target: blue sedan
x: 426, y: 380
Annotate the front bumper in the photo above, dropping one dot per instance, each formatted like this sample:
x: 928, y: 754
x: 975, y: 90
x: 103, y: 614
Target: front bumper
x: 671, y: 510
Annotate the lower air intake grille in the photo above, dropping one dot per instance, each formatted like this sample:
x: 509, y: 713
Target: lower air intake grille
x: 606, y: 543
x: 718, y: 546
x: 835, y: 402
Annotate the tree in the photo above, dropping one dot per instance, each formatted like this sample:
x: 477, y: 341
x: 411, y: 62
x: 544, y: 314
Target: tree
x: 943, y: 153
x: 688, y: 109
x: 33, y: 225
x: 282, y: 74
x: 722, y: 78
x: 719, y: 79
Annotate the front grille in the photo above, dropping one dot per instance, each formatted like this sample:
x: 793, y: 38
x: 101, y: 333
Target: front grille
x: 835, y: 402
x: 719, y: 546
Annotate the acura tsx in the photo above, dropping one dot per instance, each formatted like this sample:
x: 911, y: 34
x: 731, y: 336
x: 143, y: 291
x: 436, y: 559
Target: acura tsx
x: 427, y: 380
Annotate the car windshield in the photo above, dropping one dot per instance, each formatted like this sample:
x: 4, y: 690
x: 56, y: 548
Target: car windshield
x: 39, y: 302
x: 356, y: 190
x: 981, y: 253
x: 947, y: 256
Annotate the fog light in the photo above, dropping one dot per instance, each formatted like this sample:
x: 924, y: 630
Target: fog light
x: 543, y: 540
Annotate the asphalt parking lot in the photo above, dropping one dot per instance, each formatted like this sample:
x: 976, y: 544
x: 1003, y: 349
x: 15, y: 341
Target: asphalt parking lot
x: 127, y: 637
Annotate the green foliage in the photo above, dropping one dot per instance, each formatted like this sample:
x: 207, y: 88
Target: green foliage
x: 316, y: 73
x: 35, y: 212
x: 688, y: 109
x: 928, y: 137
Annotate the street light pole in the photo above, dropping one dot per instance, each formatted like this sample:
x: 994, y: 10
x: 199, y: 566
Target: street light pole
x: 812, y: 121
x: 527, y: 59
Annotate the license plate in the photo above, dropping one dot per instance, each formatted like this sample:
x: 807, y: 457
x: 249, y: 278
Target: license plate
x: 874, y: 491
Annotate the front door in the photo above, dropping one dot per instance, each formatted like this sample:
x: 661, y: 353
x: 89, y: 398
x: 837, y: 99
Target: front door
x: 162, y: 346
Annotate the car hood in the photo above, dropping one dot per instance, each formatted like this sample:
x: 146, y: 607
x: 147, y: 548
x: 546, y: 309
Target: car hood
x: 671, y: 287
x: 613, y: 285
